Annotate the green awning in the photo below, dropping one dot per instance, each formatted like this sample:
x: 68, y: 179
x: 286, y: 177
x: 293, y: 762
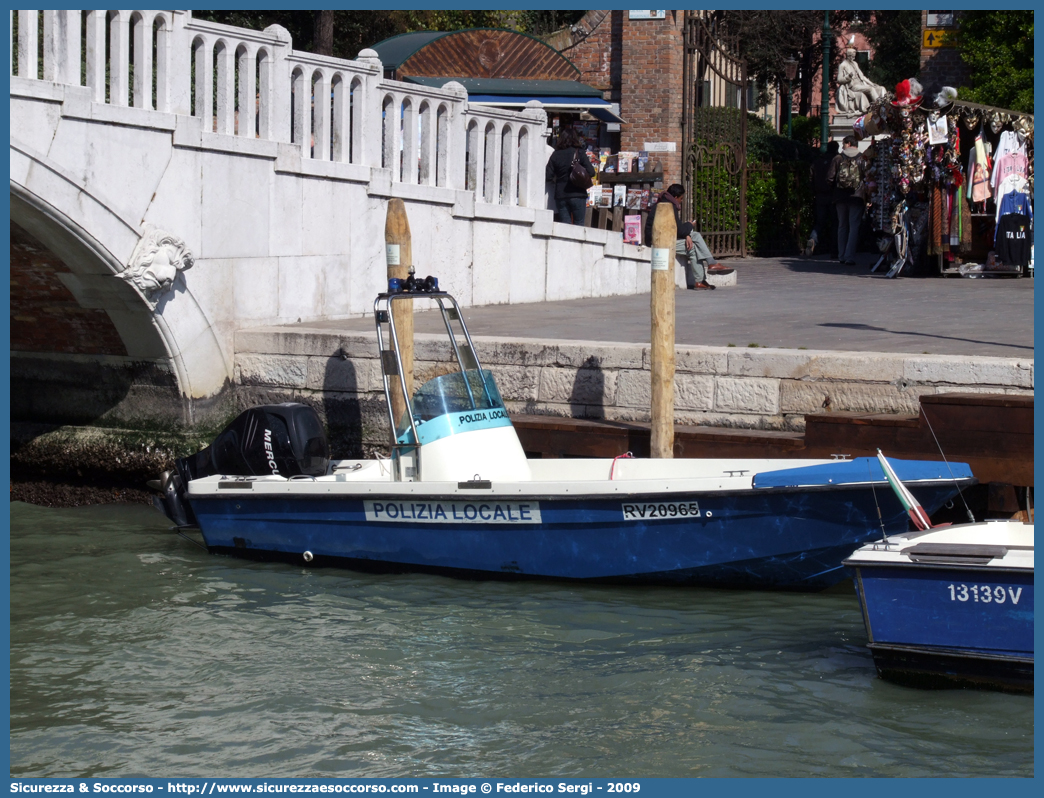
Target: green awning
x: 566, y: 96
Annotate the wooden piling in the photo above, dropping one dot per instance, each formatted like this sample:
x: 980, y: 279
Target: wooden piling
x: 399, y: 254
x: 661, y: 350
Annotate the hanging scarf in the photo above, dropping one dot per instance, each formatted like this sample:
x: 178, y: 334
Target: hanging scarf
x: 966, y: 225
x: 934, y: 241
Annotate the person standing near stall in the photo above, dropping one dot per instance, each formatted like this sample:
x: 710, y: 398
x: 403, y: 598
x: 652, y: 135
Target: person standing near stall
x: 825, y: 229
x: 570, y: 199
x: 846, y: 176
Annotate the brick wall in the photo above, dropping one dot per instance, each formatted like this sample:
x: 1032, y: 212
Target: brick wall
x: 593, y: 52
x: 941, y: 64
x: 652, y: 56
x: 45, y: 316
x: 637, y: 63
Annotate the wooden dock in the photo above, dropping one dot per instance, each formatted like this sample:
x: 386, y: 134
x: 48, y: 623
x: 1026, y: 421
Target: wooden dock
x: 992, y: 433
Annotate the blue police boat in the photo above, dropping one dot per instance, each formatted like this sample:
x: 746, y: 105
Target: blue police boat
x: 457, y: 496
x: 950, y: 606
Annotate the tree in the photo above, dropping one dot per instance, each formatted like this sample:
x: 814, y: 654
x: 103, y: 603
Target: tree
x: 344, y: 33
x: 997, y: 48
x: 324, y: 32
x: 768, y: 38
x: 896, y: 39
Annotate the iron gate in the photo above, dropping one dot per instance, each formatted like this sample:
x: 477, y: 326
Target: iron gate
x: 714, y: 133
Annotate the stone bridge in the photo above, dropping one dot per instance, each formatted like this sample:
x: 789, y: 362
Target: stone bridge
x: 174, y: 181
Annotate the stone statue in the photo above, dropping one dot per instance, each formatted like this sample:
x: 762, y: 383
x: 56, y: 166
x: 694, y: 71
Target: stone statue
x: 155, y: 262
x: 854, y: 91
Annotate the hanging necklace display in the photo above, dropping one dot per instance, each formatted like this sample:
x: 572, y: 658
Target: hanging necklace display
x: 881, y: 157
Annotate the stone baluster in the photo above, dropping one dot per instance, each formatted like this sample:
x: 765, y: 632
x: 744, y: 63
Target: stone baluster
x: 95, y: 55
x: 389, y: 132
x: 202, y: 53
x: 301, y: 93
x: 119, y: 57
x: 340, y: 129
x: 161, y: 26
x: 266, y: 94
x: 473, y: 156
x: 224, y: 58
x: 28, y: 54
x: 534, y: 155
x: 408, y: 132
x: 491, y: 165
x: 523, y: 155
x: 442, y: 150
x: 141, y: 33
x: 426, y: 172
x: 246, y: 60
x: 320, y: 88
x: 62, y: 46
x: 509, y: 165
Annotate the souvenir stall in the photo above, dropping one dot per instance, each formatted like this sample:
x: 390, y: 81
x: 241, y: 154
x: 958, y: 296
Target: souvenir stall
x: 950, y: 183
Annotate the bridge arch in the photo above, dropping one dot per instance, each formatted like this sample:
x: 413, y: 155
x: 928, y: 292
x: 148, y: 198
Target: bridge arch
x: 173, y: 360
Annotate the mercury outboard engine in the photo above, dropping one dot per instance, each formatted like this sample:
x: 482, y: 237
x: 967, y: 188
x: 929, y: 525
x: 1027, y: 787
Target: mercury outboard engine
x: 285, y: 440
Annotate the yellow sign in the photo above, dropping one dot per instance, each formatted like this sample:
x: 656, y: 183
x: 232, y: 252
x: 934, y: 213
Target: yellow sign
x: 939, y: 37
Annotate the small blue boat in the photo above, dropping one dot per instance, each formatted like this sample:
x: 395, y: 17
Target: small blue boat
x: 459, y: 497
x: 950, y: 606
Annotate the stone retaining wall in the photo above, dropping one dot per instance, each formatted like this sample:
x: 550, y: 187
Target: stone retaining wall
x: 758, y: 388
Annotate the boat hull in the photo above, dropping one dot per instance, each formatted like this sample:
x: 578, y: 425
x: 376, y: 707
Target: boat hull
x: 778, y: 538
x: 932, y: 626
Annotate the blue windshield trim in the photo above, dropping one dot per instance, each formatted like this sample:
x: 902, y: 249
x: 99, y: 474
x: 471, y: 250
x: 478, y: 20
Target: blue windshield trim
x: 455, y: 423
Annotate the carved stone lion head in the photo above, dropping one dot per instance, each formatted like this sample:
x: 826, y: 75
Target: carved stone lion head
x: 155, y: 262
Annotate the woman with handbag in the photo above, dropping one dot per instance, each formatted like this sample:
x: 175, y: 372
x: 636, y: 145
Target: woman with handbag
x: 571, y: 171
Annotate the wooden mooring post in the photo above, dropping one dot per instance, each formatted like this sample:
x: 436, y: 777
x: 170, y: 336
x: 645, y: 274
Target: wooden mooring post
x: 661, y: 349
x: 399, y: 252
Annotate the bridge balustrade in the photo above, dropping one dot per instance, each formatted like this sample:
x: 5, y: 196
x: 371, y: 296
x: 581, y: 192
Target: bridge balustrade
x: 247, y: 83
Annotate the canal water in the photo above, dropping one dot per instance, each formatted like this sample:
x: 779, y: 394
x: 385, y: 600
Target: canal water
x: 136, y: 653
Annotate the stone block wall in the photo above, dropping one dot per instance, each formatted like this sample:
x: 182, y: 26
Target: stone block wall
x: 770, y: 389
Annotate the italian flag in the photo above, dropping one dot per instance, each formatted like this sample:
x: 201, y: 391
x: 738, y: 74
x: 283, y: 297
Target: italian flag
x: 916, y: 511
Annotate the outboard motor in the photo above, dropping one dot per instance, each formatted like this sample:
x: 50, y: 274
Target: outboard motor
x: 286, y: 440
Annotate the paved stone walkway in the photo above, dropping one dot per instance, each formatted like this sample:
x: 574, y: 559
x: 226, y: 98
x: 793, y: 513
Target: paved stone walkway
x: 791, y: 303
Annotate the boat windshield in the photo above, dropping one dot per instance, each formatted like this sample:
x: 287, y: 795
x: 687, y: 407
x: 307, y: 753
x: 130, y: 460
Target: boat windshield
x: 462, y: 391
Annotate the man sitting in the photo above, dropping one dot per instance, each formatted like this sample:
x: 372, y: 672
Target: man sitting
x: 698, y: 255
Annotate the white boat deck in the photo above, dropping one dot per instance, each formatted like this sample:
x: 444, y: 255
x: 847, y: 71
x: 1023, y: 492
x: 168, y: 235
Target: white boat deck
x: 1015, y: 538
x: 565, y: 477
